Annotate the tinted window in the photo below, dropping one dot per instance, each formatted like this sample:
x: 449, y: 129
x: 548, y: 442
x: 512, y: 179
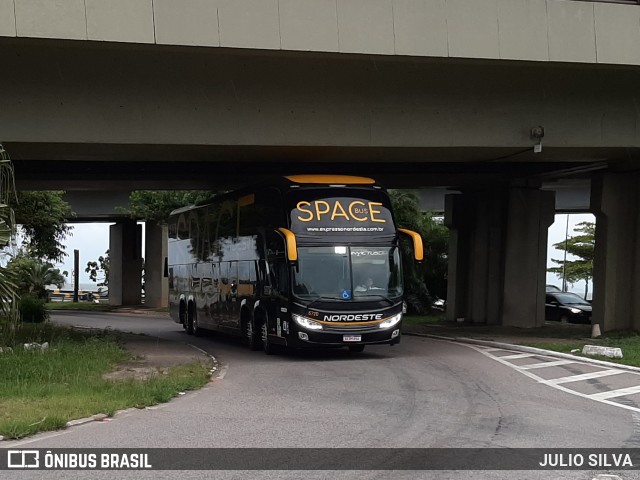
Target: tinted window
x: 570, y: 299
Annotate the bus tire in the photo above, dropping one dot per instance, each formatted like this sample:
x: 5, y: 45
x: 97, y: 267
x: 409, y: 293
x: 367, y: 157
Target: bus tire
x: 356, y: 348
x: 183, y: 315
x: 197, y: 330
x: 251, y: 336
x: 190, y: 319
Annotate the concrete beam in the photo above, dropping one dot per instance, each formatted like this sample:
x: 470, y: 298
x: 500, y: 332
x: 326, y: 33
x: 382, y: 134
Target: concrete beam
x: 533, y: 30
x: 66, y: 95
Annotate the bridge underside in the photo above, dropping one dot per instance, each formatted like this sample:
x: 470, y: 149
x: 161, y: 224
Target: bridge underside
x: 86, y: 116
x: 231, y: 167
x: 176, y: 117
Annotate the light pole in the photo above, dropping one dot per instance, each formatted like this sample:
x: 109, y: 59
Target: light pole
x: 564, y: 263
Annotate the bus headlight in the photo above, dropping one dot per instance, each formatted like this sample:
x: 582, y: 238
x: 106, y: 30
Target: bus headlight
x: 391, y: 321
x: 306, y: 322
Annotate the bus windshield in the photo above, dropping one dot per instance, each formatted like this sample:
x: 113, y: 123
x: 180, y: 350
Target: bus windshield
x: 347, y: 273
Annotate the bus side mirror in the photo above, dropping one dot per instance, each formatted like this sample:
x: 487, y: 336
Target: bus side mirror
x: 292, y: 245
x: 418, y: 249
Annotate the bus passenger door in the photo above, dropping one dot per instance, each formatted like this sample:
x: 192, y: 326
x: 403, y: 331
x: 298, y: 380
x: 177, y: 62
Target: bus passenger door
x: 214, y: 305
x: 231, y: 306
x: 279, y: 279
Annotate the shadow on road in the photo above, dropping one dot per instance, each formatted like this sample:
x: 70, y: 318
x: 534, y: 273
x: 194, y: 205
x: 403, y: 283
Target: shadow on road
x: 326, y: 354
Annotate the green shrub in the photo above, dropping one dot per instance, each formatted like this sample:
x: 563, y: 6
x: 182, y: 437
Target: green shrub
x: 32, y: 309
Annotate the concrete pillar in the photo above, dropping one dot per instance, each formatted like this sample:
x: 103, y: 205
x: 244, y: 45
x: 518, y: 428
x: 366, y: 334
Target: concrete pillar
x: 530, y: 214
x: 615, y: 201
x: 457, y: 218
x: 497, y: 255
x: 476, y: 223
x: 125, y: 263
x: 156, y: 285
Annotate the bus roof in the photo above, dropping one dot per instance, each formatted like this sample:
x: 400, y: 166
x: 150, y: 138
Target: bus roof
x: 331, y: 179
x: 286, y: 182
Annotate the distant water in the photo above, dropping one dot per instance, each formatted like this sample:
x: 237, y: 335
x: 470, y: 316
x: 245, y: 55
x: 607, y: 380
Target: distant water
x: 92, y: 287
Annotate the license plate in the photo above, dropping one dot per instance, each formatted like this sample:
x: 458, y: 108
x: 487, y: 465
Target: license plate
x: 351, y: 338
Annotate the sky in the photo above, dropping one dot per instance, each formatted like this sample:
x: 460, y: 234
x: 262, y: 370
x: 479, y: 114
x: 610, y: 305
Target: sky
x: 557, y: 234
x: 92, y: 239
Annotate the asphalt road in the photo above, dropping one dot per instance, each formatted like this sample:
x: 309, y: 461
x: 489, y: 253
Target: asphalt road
x: 421, y: 393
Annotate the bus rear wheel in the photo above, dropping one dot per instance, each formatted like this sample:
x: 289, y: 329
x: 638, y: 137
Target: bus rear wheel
x: 183, y: 315
x: 251, y: 337
x: 190, y: 315
x: 195, y: 328
x: 356, y: 348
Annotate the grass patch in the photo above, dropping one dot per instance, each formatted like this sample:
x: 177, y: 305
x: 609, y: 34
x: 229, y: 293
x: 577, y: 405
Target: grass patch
x: 85, y: 306
x: 44, y: 390
x: 629, y: 342
x: 431, y: 319
x: 158, y: 309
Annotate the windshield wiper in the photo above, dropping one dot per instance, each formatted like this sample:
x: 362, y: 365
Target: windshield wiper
x: 378, y: 295
x: 325, y: 298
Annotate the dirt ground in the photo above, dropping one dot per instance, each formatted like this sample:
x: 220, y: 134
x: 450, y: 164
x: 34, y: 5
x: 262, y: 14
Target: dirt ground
x: 154, y: 356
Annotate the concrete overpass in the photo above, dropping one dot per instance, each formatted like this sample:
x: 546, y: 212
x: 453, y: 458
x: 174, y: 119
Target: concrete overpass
x: 159, y: 94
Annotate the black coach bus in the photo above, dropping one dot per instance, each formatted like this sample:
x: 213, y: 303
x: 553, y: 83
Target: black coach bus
x: 303, y: 261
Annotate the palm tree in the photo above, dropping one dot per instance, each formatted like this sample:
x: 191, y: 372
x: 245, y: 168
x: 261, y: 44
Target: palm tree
x: 9, y: 313
x: 39, y: 275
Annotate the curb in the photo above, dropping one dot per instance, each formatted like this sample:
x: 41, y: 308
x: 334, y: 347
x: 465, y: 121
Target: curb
x: 81, y: 421
x: 524, y: 349
x: 216, y: 364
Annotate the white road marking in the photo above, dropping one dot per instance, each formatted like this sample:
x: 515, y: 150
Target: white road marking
x: 584, y: 376
x: 535, y: 377
x: 557, y: 363
x: 621, y: 392
x: 518, y: 355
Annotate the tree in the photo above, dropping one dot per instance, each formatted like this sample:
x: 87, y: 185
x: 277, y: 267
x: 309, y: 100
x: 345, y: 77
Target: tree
x: 155, y: 206
x: 581, y: 246
x: 101, y: 267
x: 42, y: 216
x: 9, y: 312
x: 32, y: 275
x: 429, y: 280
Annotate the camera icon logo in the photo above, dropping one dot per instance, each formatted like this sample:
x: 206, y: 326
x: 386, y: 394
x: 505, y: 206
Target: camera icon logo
x: 23, y: 459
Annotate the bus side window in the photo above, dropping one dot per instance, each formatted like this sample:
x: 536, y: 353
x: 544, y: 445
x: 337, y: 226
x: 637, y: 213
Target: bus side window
x: 194, y: 234
x: 283, y: 278
x: 205, y: 236
x: 227, y: 222
x: 172, y: 232
x: 183, y: 229
x: 263, y: 273
x: 275, y: 244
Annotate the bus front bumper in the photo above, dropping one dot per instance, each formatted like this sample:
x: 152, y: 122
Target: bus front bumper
x: 315, y: 339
